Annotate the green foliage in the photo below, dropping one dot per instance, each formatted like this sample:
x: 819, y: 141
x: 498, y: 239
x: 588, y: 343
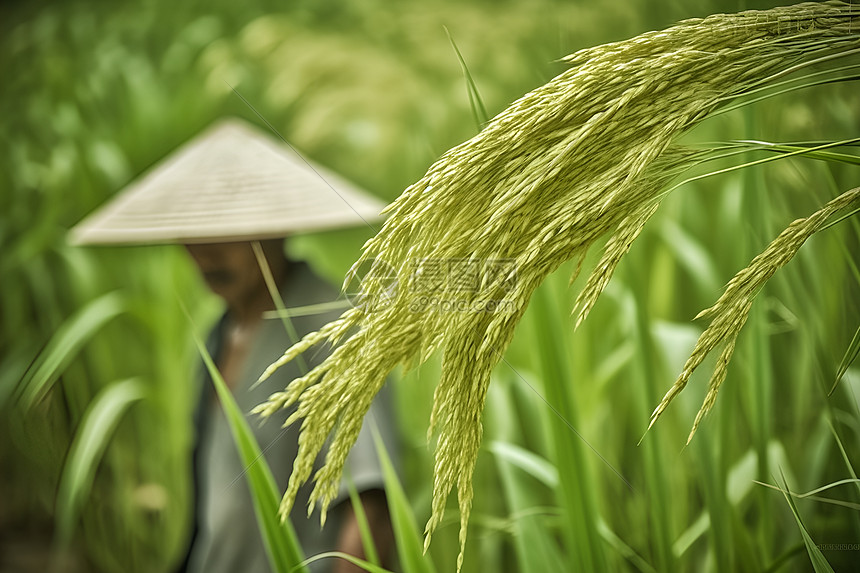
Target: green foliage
x: 819, y: 563
x: 68, y: 339
x: 366, y: 565
x: 367, y: 542
x: 402, y: 521
x: 586, y: 156
x: 97, y: 427
x: 850, y: 356
x: 375, y: 91
x: 279, y: 538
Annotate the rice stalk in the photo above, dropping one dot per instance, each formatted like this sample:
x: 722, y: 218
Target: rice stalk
x: 579, y: 159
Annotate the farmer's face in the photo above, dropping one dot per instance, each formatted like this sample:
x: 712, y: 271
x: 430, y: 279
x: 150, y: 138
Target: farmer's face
x: 230, y: 270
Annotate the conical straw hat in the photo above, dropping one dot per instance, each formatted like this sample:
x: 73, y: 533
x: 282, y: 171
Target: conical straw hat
x: 230, y: 183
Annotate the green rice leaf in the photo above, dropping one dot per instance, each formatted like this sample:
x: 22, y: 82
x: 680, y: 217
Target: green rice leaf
x: 518, y: 469
x: 819, y: 563
x: 96, y: 428
x: 812, y: 494
x: 839, y: 219
x: 280, y: 309
x: 15, y: 365
x: 837, y: 75
x: 579, y: 510
x: 812, y: 153
x: 366, y: 565
x: 623, y: 549
x: 538, y: 467
x: 844, y: 455
x: 70, y: 337
x: 848, y: 359
x: 479, y: 112
x: 279, y: 538
x: 806, y: 151
x: 363, y: 526
x: 406, y: 536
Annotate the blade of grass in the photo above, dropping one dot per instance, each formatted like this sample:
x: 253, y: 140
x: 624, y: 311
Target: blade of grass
x: 647, y: 368
x: 801, y: 151
x: 773, y: 93
x: 623, y: 549
x: 536, y: 466
x: 307, y: 310
x: 839, y: 219
x: 845, y: 457
x: 739, y: 483
x: 366, y: 565
x: 406, y: 536
x: 91, y: 439
x: 757, y: 347
x: 721, y: 542
x: 577, y: 493
x: 272, y: 286
x: 363, y: 526
x: 279, y: 538
x: 850, y: 355
x: 535, y: 547
x: 831, y: 156
x: 805, y: 80
x: 16, y: 362
x: 819, y: 563
x: 807, y: 63
x: 64, y: 344
x: 812, y: 494
x: 479, y: 112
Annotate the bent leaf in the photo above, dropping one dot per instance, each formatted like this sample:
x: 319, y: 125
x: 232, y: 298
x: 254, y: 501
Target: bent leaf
x: 279, y: 538
x: 64, y: 345
x: 97, y: 427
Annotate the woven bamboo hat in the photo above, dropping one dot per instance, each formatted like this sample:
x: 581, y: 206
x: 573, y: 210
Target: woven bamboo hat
x: 231, y: 183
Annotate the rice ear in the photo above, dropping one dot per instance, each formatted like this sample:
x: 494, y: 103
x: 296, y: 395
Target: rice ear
x: 729, y: 314
x: 583, y: 157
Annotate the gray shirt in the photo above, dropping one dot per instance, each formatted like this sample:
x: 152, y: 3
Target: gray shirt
x: 228, y: 538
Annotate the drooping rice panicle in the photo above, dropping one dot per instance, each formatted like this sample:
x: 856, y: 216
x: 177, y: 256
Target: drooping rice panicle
x: 729, y: 314
x: 579, y: 159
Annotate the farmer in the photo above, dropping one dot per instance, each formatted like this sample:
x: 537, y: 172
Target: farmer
x: 228, y: 187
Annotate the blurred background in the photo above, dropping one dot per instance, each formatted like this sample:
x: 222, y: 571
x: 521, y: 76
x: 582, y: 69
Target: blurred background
x: 96, y: 355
